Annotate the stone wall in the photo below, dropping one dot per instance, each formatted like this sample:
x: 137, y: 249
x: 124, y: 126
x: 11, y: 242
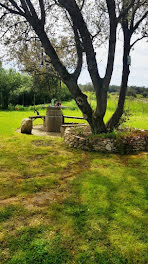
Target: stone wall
x: 125, y: 145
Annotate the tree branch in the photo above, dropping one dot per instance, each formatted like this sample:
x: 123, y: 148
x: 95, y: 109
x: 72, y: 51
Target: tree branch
x: 112, y: 41
x: 140, y: 20
x: 77, y: 18
x: 16, y: 6
x: 124, y: 11
x: 14, y: 25
x: 83, y: 2
x: 25, y: 8
x: 12, y: 11
x: 144, y: 36
x: 31, y: 7
x: 4, y: 15
x: 42, y: 7
x: 78, y: 47
x: 77, y: 71
x: 133, y: 14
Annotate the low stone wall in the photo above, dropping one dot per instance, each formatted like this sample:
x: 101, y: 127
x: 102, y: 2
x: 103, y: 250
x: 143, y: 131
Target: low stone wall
x: 70, y: 125
x: 129, y: 144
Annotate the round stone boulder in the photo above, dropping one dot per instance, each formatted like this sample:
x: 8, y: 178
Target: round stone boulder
x: 26, y: 126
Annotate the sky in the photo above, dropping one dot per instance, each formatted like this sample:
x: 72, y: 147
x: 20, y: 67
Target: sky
x: 138, y: 69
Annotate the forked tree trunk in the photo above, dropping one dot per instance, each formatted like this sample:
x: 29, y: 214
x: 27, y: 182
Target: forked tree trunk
x: 94, y: 118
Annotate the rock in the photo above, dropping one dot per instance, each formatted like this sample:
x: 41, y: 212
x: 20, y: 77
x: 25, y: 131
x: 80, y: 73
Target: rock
x: 26, y: 126
x: 108, y: 147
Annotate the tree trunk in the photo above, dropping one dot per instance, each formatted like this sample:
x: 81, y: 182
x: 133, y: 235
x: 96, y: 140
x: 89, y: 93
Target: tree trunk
x: 95, y: 120
x: 115, y: 119
x: 98, y: 116
x: 98, y: 125
x: 4, y: 101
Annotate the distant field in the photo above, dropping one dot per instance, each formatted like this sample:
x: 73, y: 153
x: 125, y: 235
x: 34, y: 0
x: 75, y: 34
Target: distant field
x: 65, y: 206
x: 138, y: 109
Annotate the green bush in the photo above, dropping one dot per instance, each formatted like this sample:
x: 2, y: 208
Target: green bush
x: 19, y: 108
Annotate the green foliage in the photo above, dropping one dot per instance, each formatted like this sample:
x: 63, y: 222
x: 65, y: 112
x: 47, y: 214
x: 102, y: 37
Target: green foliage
x: 87, y: 87
x: 45, y: 87
x: 23, y: 95
x: 131, y: 93
x: 64, y: 94
x: 19, y: 90
x: 9, y: 81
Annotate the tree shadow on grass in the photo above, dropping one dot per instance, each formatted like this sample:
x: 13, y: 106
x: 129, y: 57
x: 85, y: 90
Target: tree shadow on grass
x: 107, y: 220
x: 101, y: 222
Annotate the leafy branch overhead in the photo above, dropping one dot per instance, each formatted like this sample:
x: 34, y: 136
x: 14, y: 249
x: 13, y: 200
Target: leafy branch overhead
x: 71, y: 33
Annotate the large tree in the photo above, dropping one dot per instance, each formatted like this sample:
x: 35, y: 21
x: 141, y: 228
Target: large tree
x: 81, y: 25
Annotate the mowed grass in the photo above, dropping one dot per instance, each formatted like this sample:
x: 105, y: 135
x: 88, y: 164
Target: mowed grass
x: 11, y: 120
x: 59, y: 205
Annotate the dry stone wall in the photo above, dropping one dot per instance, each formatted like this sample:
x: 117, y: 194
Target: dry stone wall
x: 123, y: 145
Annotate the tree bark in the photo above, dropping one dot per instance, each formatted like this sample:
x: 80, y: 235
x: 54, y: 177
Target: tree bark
x: 96, y: 122
x: 101, y: 93
x: 115, y: 119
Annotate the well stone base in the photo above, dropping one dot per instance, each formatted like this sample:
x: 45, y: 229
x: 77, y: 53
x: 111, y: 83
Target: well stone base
x: 130, y: 143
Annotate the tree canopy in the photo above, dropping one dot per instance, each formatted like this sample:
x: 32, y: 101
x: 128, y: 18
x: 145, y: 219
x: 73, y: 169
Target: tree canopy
x: 71, y: 32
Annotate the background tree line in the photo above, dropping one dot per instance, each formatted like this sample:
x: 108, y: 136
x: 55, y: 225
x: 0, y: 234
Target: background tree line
x: 23, y: 89
x: 38, y: 88
x: 132, y: 90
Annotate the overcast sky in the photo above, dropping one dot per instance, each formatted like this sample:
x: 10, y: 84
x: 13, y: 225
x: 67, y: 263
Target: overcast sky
x: 138, y: 70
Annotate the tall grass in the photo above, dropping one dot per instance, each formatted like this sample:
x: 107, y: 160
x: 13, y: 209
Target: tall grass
x: 138, y: 109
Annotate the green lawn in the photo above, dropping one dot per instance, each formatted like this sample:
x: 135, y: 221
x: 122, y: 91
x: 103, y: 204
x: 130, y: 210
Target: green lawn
x: 65, y: 206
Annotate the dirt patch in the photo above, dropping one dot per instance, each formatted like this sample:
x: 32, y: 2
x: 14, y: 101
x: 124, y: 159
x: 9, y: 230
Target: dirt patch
x: 44, y: 198
x: 75, y: 168
x: 42, y: 143
x: 38, y: 130
x: 40, y: 199
x: 12, y: 200
x: 37, y: 157
x: 125, y: 159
